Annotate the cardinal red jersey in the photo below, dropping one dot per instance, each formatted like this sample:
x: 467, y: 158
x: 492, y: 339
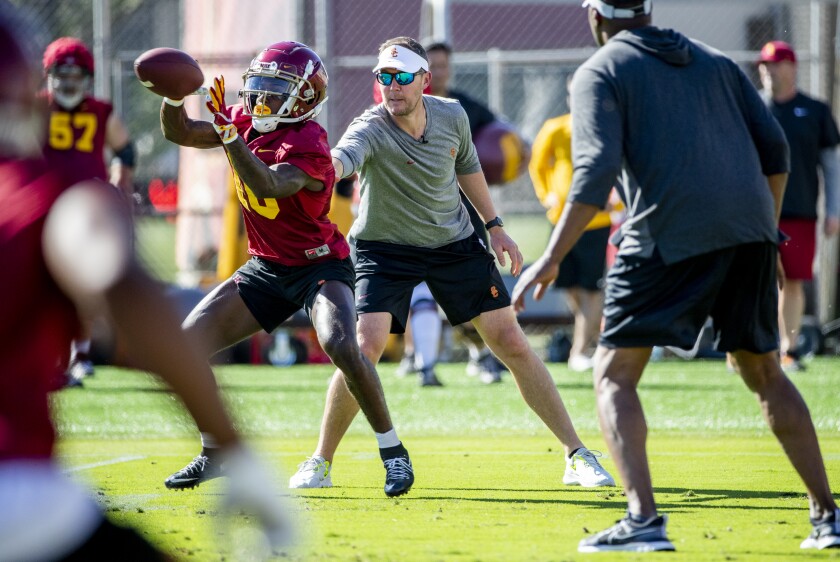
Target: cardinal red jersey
x: 293, y: 230
x: 37, y: 321
x: 76, y: 139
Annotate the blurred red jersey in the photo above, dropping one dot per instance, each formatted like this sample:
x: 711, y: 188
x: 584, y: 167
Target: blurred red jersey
x: 294, y: 230
x: 37, y: 321
x: 76, y: 139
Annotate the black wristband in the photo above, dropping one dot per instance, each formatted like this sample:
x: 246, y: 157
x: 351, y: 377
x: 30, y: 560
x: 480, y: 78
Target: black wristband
x: 495, y: 222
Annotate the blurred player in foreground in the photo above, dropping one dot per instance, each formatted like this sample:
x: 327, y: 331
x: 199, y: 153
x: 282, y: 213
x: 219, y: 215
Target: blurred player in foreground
x: 80, y: 129
x: 643, y: 91
x: 284, y: 179
x: 71, y: 249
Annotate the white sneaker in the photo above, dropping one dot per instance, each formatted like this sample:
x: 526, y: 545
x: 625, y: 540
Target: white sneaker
x: 583, y: 469
x: 580, y: 363
x: 314, y: 472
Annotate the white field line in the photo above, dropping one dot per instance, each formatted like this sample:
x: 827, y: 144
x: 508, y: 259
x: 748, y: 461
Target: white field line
x: 116, y: 460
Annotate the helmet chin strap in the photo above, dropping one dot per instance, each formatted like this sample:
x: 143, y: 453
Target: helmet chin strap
x: 68, y: 101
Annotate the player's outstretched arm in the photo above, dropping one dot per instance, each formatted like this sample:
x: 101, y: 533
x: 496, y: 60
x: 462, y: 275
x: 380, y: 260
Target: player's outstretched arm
x: 274, y: 182
x: 177, y: 127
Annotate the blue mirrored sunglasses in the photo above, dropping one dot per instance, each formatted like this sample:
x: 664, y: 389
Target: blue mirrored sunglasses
x: 402, y: 78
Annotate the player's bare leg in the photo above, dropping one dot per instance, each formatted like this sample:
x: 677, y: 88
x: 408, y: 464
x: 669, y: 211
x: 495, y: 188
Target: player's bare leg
x: 617, y: 374
x: 220, y: 320
x: 586, y: 306
x: 341, y: 408
x: 503, y: 335
x: 334, y: 318
x: 791, y: 308
x: 788, y: 416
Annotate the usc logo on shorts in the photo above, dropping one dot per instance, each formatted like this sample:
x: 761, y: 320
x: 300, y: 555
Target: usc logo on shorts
x: 494, y: 292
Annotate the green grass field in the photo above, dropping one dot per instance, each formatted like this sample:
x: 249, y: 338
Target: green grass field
x: 488, y: 473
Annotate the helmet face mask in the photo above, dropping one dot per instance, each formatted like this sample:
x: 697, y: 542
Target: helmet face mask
x: 286, y: 83
x: 68, y: 85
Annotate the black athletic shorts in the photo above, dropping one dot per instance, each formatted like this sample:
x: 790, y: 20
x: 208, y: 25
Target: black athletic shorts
x: 649, y: 303
x: 462, y: 277
x: 273, y: 292
x: 585, y: 264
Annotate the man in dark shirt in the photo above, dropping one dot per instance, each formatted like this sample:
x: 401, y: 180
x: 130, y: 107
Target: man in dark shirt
x: 813, y: 138
x: 683, y: 129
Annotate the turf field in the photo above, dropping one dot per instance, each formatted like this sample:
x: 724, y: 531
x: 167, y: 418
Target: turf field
x: 488, y: 473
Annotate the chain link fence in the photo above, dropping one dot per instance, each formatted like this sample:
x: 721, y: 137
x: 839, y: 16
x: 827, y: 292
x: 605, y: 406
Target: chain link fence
x: 512, y: 55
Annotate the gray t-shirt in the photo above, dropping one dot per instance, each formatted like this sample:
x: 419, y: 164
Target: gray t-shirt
x: 409, y: 190
x: 690, y: 138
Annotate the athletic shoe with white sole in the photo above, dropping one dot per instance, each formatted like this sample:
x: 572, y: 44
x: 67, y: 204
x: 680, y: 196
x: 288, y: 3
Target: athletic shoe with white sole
x: 629, y: 535
x: 583, y: 469
x: 826, y: 533
x: 314, y: 472
x: 199, y: 470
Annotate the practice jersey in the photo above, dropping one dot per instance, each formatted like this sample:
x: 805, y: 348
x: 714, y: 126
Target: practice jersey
x: 37, y: 321
x: 76, y: 139
x: 294, y: 230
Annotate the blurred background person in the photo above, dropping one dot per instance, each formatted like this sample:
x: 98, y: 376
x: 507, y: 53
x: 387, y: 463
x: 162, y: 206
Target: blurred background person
x: 72, y: 249
x: 581, y: 273
x: 813, y: 138
x: 81, y: 130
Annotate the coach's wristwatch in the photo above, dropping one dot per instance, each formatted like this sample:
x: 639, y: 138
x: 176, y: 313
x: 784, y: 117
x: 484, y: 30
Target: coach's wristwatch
x: 495, y: 222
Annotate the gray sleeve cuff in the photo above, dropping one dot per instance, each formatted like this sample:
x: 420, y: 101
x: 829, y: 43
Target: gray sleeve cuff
x: 346, y: 162
x: 830, y: 165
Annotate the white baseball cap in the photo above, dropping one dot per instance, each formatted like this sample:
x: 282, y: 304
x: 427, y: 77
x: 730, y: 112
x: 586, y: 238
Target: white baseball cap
x: 402, y: 59
x: 611, y: 12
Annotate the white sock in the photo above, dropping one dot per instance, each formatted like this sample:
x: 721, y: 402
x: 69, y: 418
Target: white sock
x: 426, y: 327
x: 387, y: 439
x: 208, y: 441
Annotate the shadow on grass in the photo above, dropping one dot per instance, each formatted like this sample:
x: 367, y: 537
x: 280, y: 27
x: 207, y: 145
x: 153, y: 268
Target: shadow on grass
x: 690, y: 498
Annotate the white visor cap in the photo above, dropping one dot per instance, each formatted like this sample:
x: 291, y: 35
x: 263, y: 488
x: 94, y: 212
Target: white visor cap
x: 401, y: 59
x: 611, y: 12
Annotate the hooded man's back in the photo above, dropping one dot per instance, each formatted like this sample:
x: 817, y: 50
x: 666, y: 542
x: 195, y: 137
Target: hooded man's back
x: 695, y: 138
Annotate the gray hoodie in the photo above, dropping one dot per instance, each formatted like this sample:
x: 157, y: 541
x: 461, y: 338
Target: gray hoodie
x: 688, y: 137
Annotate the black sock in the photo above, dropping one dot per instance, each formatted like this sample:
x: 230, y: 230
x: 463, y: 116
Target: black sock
x: 393, y: 452
x: 575, y: 451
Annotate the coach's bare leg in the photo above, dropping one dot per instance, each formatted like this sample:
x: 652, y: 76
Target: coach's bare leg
x: 505, y: 338
x: 788, y: 416
x: 341, y: 406
x: 617, y: 374
x: 791, y: 308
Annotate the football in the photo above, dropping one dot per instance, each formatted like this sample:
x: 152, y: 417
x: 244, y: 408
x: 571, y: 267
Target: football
x: 502, y: 152
x: 168, y: 72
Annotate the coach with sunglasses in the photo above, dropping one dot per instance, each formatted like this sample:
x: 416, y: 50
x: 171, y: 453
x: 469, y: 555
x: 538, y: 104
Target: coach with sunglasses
x: 412, y: 152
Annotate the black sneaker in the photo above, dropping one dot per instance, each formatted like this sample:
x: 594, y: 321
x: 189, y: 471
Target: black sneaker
x: 826, y: 533
x: 399, y: 475
x: 201, y: 469
x: 629, y: 535
x: 428, y: 377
